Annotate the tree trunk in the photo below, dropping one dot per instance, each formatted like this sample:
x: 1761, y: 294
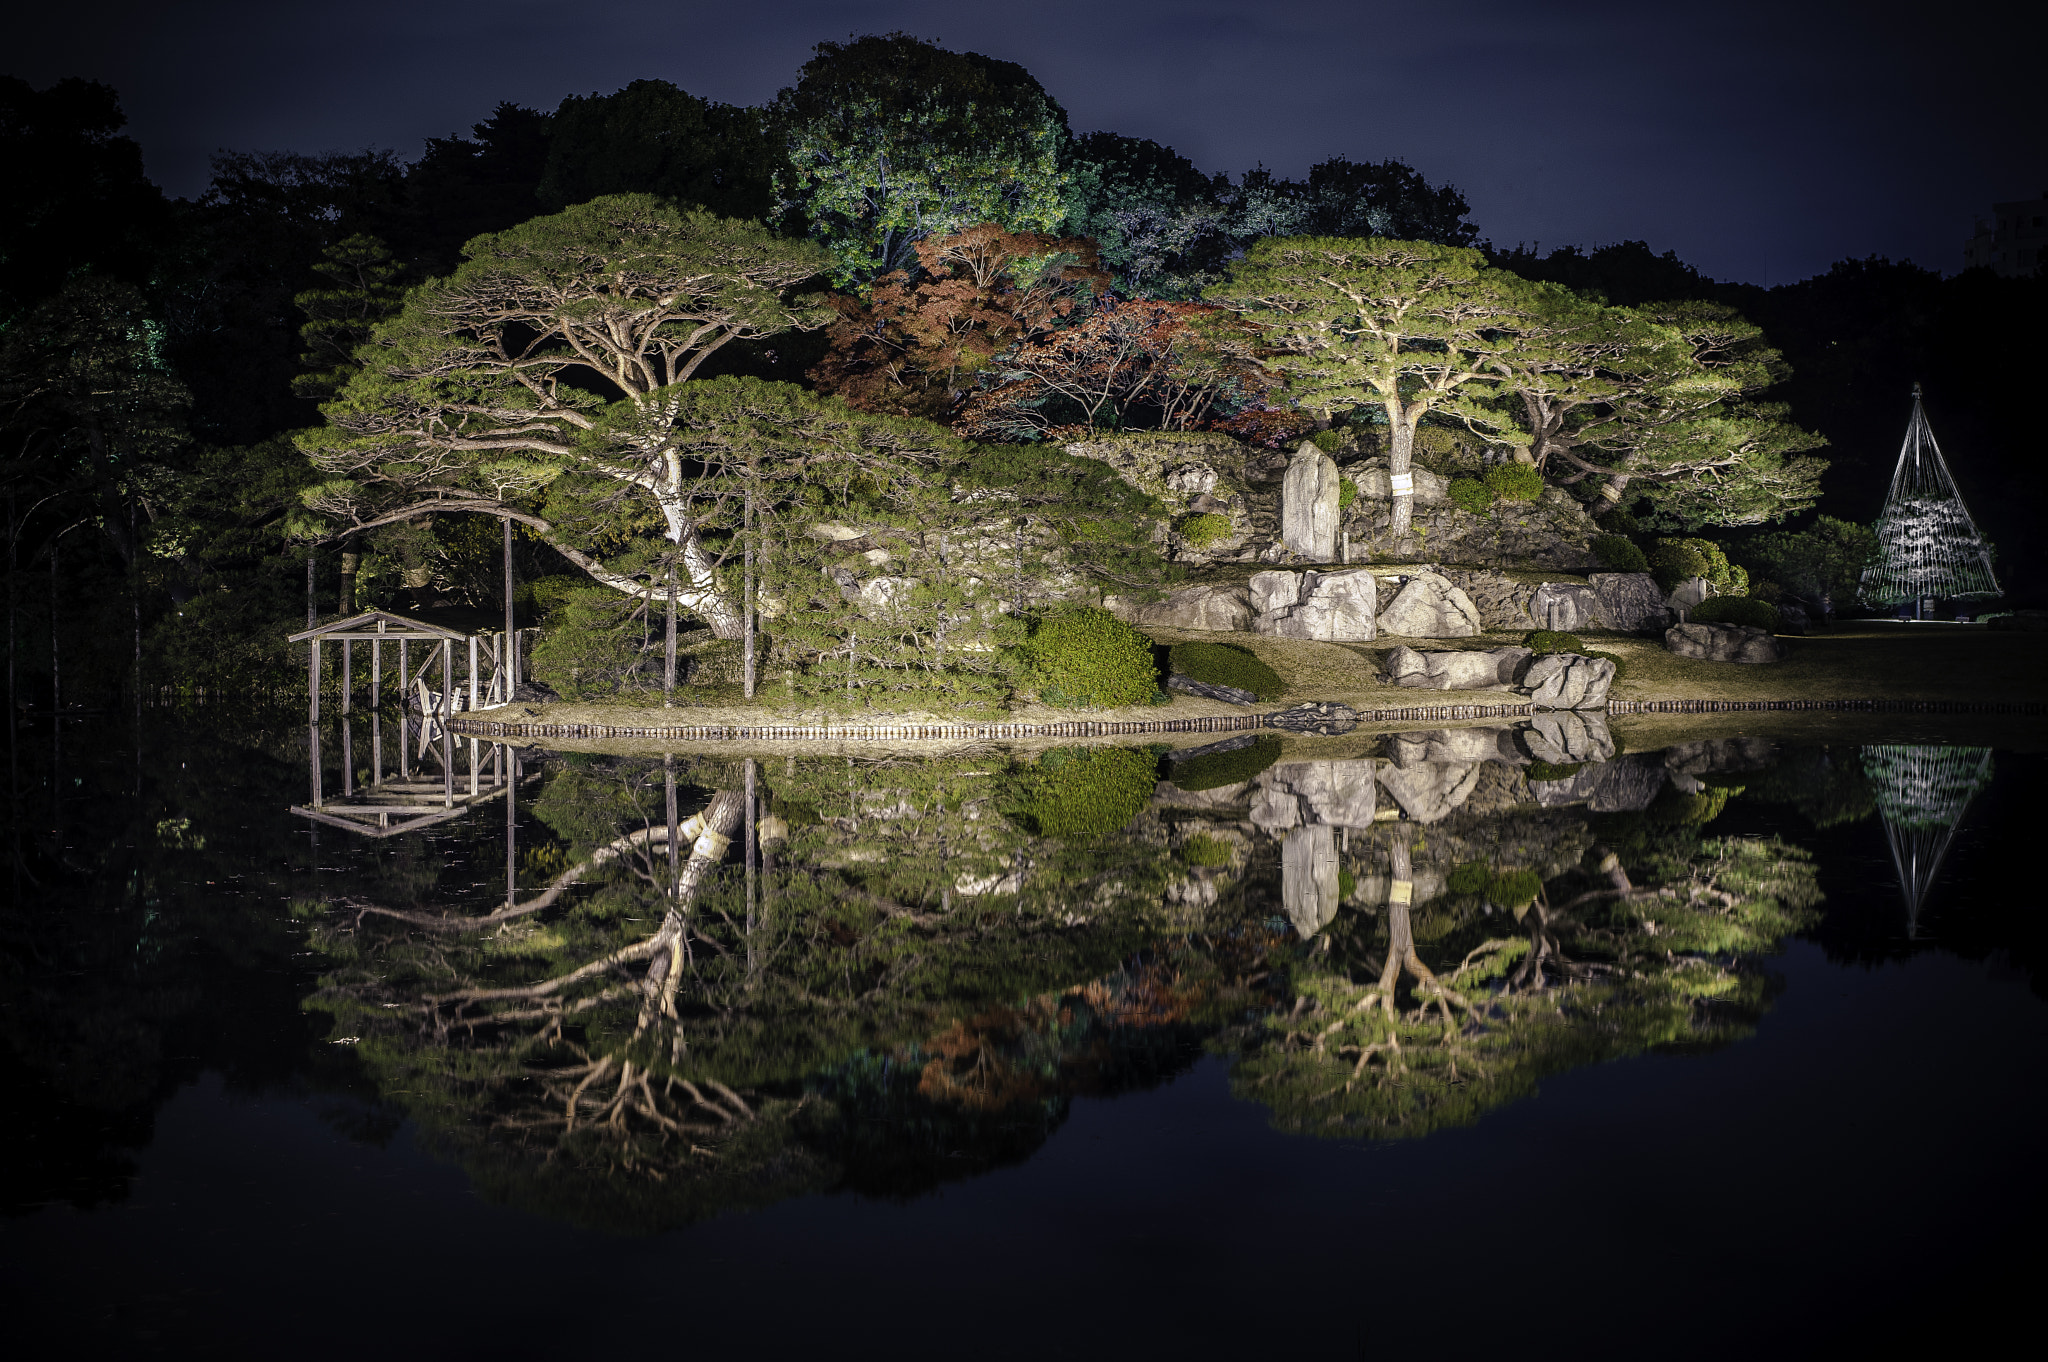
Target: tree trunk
x: 747, y: 607
x: 510, y: 660
x: 1399, y: 463
x: 668, y: 668
x: 346, y: 599
x: 1610, y: 493
x: 312, y: 602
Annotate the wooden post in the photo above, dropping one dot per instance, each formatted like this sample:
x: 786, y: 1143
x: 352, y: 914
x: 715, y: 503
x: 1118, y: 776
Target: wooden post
x: 376, y: 748
x: 313, y: 685
x: 472, y: 749
x: 313, y: 751
x: 511, y: 634
x: 377, y: 668
x: 348, y: 755
x: 474, y: 698
x: 401, y: 673
x: 447, y: 756
x: 511, y: 823
x: 447, y: 688
x: 347, y: 675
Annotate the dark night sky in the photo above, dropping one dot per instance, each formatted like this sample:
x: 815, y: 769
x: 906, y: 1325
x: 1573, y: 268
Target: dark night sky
x: 1760, y: 141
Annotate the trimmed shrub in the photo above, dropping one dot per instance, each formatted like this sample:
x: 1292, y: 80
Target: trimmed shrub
x: 1347, y: 883
x: 1674, y: 560
x: 1200, y: 531
x: 1514, y: 481
x: 1224, y: 768
x: 1470, y: 494
x: 1204, y: 850
x: 1329, y: 441
x: 1226, y: 664
x: 1347, y: 492
x: 1083, y: 793
x: 1620, y: 663
x: 1738, y: 610
x: 1079, y: 657
x: 1552, y: 641
x: 1618, y: 553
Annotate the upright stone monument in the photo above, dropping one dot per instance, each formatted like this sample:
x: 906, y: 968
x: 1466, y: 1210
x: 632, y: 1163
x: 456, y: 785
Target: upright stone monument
x: 1308, y: 506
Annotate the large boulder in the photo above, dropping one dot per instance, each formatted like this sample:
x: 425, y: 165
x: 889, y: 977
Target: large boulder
x: 1330, y: 607
x: 1230, y: 695
x: 1455, y: 671
x: 1565, y: 605
x: 1429, y: 606
x: 1340, y: 794
x: 1308, y: 505
x: 1308, y: 879
x: 1568, y: 681
x: 1376, y: 483
x: 1221, y: 608
x: 1724, y: 643
x: 1629, y: 602
x: 1687, y: 595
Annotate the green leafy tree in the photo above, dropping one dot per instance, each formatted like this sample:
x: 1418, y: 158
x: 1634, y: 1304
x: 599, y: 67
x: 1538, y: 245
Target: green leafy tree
x: 362, y: 292
x: 1159, y: 223
x: 890, y: 139
x: 1409, y: 327
x: 499, y: 379
x: 1821, y: 563
x: 653, y: 138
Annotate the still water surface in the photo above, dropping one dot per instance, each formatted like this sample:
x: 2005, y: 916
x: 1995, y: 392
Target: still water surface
x: 1466, y: 1038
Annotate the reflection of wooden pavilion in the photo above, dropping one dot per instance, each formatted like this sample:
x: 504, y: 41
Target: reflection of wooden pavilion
x: 427, y: 787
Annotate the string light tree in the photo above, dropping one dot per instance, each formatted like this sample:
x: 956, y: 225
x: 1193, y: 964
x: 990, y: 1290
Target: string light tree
x: 1928, y: 547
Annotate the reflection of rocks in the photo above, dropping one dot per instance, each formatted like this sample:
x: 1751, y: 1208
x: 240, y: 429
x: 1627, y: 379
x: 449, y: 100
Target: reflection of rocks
x: 1724, y: 643
x: 1421, y: 746
x: 1372, y: 890
x: 1307, y: 793
x: 1221, y: 608
x: 1564, y: 737
x: 1308, y: 878
x: 1721, y: 754
x: 1455, y: 671
x: 1568, y: 681
x: 1221, y: 797
x: 1630, y: 602
x: 1322, y: 718
x: 1429, y: 791
x: 1330, y: 607
x: 1627, y: 785
x: 1308, y: 505
x: 1429, y: 606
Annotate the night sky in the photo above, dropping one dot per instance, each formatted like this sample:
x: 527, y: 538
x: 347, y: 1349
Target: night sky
x: 1760, y: 141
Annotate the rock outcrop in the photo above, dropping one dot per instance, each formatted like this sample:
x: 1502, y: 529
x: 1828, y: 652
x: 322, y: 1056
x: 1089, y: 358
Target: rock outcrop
x: 1308, y: 505
x: 1429, y: 606
x: 1724, y: 643
x: 1455, y: 671
x: 1330, y: 607
x: 1221, y: 608
x: 1630, y: 602
x: 1564, y: 605
x: 1230, y: 695
x: 1568, y: 681
x: 1565, y: 737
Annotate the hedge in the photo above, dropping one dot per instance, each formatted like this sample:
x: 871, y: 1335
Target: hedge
x: 1226, y: 664
x: 1738, y: 610
x: 1080, y: 657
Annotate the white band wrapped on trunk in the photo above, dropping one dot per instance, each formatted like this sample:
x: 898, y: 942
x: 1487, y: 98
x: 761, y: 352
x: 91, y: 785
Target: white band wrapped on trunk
x: 689, y: 830
x: 711, y: 845
x: 1401, y: 891
x: 1402, y: 484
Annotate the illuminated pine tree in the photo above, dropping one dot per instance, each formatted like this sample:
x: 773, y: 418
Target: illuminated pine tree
x: 1928, y: 546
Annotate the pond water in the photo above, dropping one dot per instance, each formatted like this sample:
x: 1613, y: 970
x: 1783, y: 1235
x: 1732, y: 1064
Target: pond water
x: 1528, y: 1033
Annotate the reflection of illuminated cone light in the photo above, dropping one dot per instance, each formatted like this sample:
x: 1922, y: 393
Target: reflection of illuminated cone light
x: 1922, y: 793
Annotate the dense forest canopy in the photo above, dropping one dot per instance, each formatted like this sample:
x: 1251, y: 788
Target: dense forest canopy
x: 944, y: 249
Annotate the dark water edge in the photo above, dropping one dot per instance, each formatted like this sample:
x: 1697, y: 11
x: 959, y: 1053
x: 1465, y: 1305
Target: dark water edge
x: 1862, y: 1167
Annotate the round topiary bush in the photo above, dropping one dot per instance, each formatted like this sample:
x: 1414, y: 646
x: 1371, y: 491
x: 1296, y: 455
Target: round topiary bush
x: 1079, y: 656
x: 1738, y: 610
x: 1677, y: 560
x: 1218, y: 769
x: 1083, y: 793
x: 1470, y: 494
x: 1514, y: 481
x: 1200, y: 531
x: 1618, y: 553
x: 1226, y: 664
x: 1205, y: 851
x: 1552, y: 641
